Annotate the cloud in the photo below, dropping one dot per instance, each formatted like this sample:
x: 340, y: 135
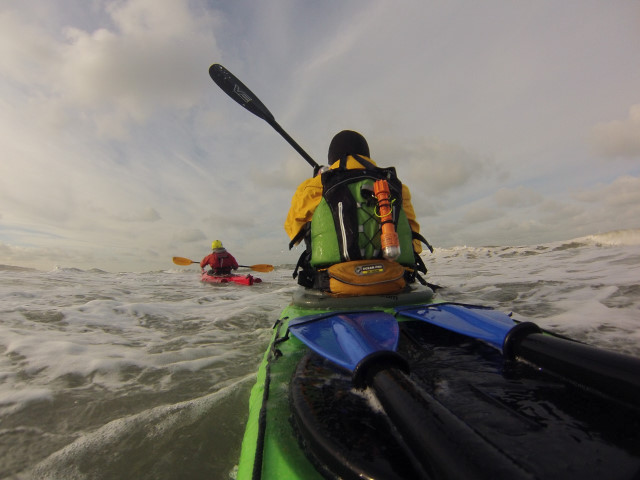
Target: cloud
x: 229, y: 220
x: 146, y: 215
x: 149, y: 57
x: 45, y: 257
x: 624, y: 192
x: 555, y: 213
x: 438, y: 166
x: 519, y: 196
x: 495, y: 220
x: 188, y: 236
x: 118, y: 147
x: 285, y: 175
x: 619, y: 138
x: 480, y: 214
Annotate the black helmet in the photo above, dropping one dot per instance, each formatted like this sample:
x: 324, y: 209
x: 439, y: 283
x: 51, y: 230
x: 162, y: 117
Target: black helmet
x: 347, y: 142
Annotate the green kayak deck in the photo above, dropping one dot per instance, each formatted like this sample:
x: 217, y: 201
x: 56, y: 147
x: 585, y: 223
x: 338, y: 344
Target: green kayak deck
x: 270, y: 446
x: 484, y: 416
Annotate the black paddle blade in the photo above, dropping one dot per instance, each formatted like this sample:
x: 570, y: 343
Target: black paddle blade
x: 239, y: 92
x: 245, y: 97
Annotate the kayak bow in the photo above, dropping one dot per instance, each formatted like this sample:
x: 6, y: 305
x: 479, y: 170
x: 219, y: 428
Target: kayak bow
x: 397, y: 387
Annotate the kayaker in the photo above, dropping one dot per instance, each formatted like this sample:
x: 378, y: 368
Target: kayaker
x: 348, y: 151
x: 220, y: 261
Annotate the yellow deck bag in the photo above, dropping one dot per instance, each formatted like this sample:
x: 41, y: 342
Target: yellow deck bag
x: 366, y: 277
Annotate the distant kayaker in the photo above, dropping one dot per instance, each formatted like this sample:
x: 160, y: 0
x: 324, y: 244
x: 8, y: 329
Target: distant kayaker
x: 348, y: 154
x: 220, y: 261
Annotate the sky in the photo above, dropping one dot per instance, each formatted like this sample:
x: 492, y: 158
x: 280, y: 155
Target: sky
x: 512, y: 123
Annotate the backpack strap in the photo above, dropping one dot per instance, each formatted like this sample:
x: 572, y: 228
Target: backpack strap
x: 364, y: 162
x: 304, y: 272
x: 301, y: 235
x: 303, y: 263
x: 420, y: 266
x: 368, y: 165
x: 417, y: 236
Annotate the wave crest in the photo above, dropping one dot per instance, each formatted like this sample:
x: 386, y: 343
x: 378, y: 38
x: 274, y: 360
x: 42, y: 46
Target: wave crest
x: 616, y: 237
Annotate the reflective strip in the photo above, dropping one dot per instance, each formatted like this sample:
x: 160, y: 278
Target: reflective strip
x: 345, y: 252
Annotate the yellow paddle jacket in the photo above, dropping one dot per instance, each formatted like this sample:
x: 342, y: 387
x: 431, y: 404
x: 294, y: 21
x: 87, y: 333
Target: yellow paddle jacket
x: 309, y: 193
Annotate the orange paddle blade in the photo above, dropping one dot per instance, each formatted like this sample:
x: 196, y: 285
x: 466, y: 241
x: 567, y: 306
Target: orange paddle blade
x: 183, y: 261
x: 261, y: 267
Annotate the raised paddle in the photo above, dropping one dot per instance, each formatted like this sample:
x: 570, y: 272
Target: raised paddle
x: 439, y: 444
x: 260, y: 267
x: 245, y: 97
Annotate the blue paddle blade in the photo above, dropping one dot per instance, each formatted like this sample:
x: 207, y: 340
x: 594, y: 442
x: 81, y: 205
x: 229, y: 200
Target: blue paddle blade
x: 345, y: 338
x: 482, y: 323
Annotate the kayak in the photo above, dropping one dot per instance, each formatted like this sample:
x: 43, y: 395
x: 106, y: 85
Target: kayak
x: 231, y: 278
x: 408, y: 386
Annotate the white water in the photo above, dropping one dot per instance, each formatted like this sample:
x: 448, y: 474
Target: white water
x: 147, y: 375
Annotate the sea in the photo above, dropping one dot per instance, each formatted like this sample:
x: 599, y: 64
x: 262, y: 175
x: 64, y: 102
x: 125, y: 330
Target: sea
x: 147, y: 375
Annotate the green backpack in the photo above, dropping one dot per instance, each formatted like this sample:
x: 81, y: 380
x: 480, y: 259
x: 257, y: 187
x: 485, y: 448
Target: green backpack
x: 346, y: 223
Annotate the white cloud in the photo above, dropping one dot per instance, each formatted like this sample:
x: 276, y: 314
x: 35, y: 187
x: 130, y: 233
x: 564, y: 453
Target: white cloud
x: 118, y: 150
x: 150, y: 57
x: 480, y: 214
x: 623, y: 192
x: 619, y: 138
x: 286, y: 175
x: 517, y: 197
x: 146, y: 215
x: 436, y: 166
x: 189, y: 235
x: 559, y: 214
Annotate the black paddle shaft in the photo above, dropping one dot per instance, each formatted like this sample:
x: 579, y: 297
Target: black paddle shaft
x: 233, y: 87
x: 612, y: 373
x: 444, y: 445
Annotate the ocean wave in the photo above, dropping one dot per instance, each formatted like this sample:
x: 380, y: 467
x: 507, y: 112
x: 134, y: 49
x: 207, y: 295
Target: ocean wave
x: 616, y: 237
x: 59, y: 268
x: 630, y: 237
x: 14, y: 268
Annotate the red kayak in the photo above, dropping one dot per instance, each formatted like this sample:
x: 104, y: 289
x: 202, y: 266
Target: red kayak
x: 239, y: 279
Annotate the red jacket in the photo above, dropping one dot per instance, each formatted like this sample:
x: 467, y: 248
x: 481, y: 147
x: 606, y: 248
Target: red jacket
x: 220, y: 261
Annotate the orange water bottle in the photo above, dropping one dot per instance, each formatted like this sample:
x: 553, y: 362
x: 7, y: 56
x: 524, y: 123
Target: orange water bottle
x: 388, y: 238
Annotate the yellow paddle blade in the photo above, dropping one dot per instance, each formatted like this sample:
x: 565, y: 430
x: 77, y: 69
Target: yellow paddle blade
x: 261, y: 267
x: 182, y: 261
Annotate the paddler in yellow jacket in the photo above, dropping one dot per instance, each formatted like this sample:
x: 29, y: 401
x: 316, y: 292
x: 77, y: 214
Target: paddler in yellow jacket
x: 346, y: 144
